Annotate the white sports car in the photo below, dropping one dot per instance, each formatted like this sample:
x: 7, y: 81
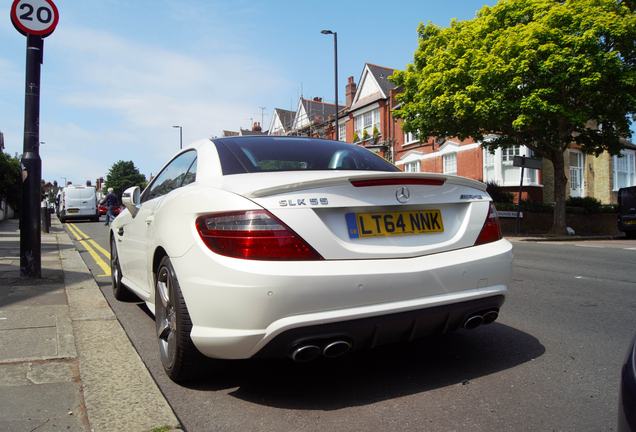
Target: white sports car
x: 285, y: 246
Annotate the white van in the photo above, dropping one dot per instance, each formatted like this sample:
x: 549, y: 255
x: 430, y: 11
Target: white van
x: 78, y: 202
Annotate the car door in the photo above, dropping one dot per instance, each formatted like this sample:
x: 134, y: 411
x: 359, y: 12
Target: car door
x: 139, y: 233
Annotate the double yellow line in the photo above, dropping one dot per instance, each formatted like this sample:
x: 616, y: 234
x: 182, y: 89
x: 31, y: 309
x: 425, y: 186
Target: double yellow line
x: 85, y: 240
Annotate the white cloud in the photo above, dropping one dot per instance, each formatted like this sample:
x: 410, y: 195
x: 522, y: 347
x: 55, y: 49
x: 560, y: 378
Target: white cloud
x: 108, y: 99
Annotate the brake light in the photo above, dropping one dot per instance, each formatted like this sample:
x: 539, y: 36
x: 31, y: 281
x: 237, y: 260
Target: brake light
x: 253, y: 235
x: 397, y: 181
x: 491, y: 231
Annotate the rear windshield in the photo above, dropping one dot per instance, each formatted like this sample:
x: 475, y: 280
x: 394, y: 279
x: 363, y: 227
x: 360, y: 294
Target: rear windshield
x: 269, y: 153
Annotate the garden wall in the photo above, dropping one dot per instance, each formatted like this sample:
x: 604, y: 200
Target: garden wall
x: 540, y: 223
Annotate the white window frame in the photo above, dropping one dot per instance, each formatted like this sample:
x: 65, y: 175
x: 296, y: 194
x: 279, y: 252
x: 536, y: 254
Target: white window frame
x: 624, y: 169
x: 342, y: 131
x: 367, y: 120
x: 577, y: 174
x: 415, y: 166
x: 410, y: 138
x: 450, y: 163
x: 499, y: 168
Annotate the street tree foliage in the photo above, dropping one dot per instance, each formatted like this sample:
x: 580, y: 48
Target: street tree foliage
x: 123, y: 175
x: 10, y: 181
x: 538, y: 73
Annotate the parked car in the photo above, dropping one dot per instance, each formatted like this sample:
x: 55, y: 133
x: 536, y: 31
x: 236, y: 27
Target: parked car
x: 78, y: 202
x: 103, y: 209
x: 626, y: 211
x: 284, y: 246
x: 627, y: 393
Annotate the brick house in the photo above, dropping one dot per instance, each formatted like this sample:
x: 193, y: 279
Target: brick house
x: 312, y: 118
x: 369, y: 107
x: 598, y: 177
x: 368, y: 110
x: 282, y: 121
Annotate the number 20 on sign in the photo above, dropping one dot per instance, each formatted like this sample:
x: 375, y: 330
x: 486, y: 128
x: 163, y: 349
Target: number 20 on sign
x: 35, y: 17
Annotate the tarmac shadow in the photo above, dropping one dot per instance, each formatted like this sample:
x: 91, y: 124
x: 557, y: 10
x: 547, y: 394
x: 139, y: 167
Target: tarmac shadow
x: 370, y: 376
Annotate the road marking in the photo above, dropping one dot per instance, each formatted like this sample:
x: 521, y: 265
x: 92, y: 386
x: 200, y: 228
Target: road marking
x: 76, y: 232
x: 94, y: 243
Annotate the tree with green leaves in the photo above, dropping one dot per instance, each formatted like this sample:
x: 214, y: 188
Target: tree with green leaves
x: 10, y: 181
x: 123, y: 175
x: 539, y: 73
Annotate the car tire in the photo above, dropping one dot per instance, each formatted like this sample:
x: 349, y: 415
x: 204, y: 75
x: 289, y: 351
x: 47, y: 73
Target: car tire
x: 120, y: 292
x: 630, y: 235
x: 180, y: 358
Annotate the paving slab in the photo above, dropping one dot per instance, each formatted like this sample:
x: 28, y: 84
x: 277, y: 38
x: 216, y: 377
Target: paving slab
x: 65, y: 361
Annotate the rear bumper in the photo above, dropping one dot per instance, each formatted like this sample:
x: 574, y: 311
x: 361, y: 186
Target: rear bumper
x: 364, y: 327
x: 78, y: 216
x: 263, y: 308
x: 365, y: 333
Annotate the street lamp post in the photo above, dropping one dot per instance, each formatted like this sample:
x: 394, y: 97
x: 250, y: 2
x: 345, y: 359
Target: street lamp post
x: 65, y: 181
x: 335, y: 62
x: 180, y: 136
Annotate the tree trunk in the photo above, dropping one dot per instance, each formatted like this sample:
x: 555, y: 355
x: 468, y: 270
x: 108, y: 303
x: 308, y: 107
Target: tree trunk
x: 560, y: 184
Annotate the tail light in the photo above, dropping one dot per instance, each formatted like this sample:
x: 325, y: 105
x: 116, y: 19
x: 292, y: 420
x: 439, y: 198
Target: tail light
x: 397, y: 181
x: 253, y: 235
x: 491, y: 231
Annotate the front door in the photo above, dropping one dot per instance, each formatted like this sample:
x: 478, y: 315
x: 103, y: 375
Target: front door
x: 576, y: 174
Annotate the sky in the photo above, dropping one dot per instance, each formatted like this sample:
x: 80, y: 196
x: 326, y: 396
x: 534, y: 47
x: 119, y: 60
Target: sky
x: 119, y: 74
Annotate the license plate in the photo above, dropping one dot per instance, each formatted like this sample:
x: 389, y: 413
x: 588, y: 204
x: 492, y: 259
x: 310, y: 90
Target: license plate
x: 631, y: 222
x: 394, y: 223
x: 72, y: 211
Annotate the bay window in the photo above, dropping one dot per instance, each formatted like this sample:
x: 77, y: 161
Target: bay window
x: 624, y: 166
x: 499, y: 168
x: 366, y: 121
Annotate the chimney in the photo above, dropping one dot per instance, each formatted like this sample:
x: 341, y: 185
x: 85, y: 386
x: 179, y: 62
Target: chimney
x: 257, y: 127
x: 317, y: 99
x: 350, y: 91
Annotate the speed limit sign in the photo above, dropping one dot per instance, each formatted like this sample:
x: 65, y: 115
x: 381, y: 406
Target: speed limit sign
x: 35, y: 17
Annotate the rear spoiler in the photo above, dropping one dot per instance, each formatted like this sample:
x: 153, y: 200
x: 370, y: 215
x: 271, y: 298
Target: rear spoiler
x: 348, y: 178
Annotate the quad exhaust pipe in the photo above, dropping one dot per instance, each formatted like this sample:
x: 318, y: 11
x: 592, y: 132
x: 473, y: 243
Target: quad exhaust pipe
x: 478, y: 319
x: 309, y: 350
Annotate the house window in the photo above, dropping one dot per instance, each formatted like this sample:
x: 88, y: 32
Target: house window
x: 624, y: 170
x: 450, y: 163
x: 412, y: 166
x: 366, y: 122
x: 510, y: 173
x: 499, y: 168
x: 489, y: 166
x: 410, y: 138
x: 342, y: 131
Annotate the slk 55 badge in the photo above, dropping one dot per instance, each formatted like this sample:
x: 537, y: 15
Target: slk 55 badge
x: 301, y: 202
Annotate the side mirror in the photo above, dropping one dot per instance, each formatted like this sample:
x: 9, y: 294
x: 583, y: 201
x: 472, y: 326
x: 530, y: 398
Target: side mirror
x: 130, y: 200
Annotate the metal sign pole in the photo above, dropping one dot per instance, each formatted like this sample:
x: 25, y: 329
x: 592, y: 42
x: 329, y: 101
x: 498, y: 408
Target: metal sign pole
x: 523, y: 162
x: 30, y: 223
x: 35, y: 19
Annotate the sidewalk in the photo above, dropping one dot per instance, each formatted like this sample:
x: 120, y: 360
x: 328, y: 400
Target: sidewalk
x: 546, y: 238
x: 66, y: 363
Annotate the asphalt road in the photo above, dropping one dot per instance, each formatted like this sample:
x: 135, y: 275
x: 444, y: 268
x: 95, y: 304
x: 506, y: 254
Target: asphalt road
x: 550, y: 363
